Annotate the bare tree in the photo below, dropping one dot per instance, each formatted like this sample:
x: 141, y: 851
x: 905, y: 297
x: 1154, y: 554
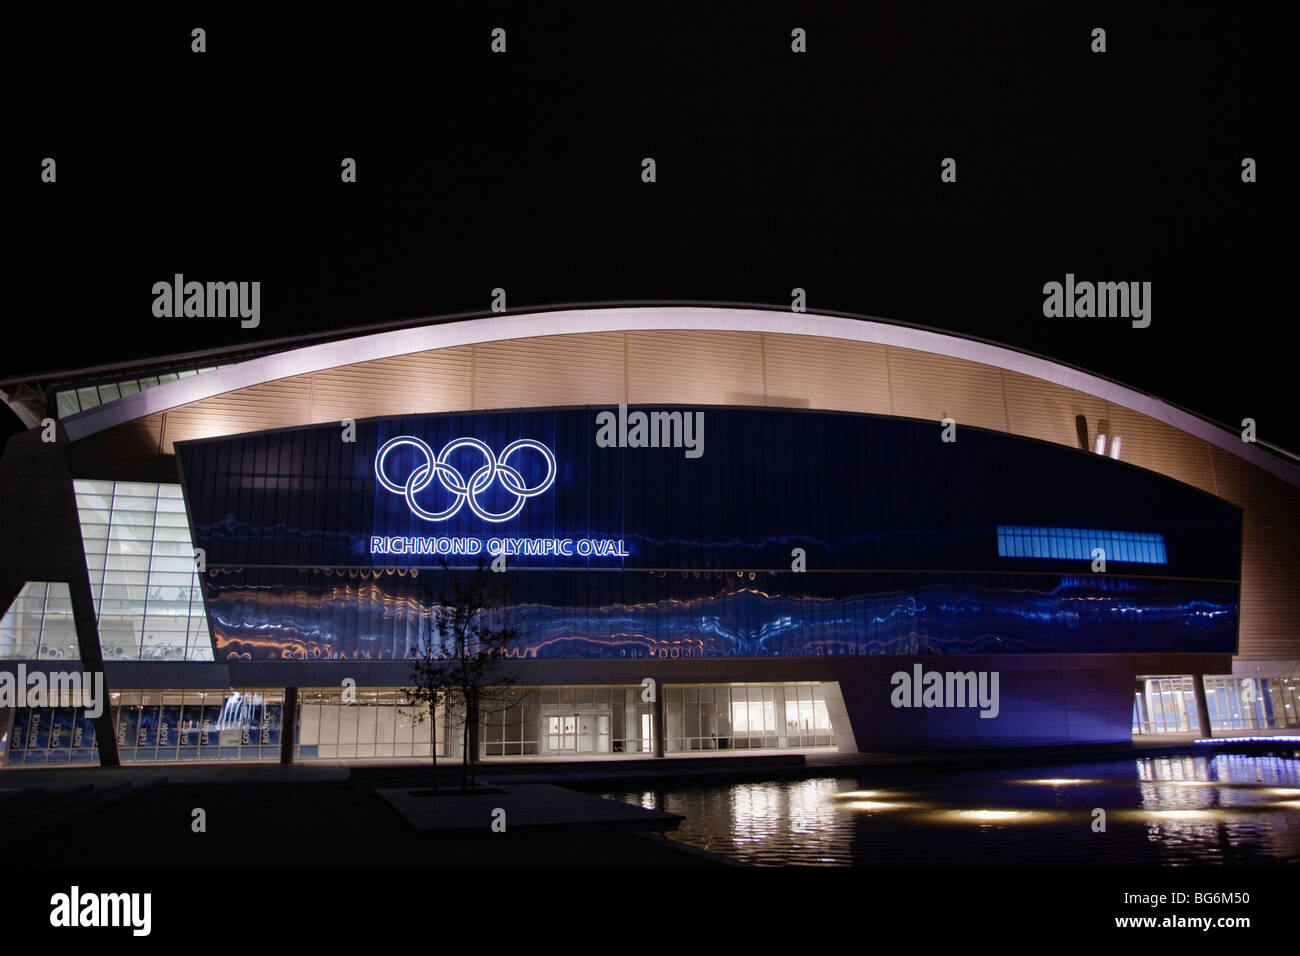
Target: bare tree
x: 433, y: 677
x: 468, y: 639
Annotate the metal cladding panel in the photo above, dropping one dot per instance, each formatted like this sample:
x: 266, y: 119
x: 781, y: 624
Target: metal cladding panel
x: 271, y: 405
x: 1156, y: 446
x: 551, y: 370
x: 1046, y: 411
x: 438, y: 381
x: 1270, y: 579
x: 802, y: 371
x: 694, y: 366
x: 933, y: 387
x: 311, y: 555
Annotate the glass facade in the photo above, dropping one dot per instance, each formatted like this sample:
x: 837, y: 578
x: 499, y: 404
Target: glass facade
x: 38, y: 624
x: 370, y: 723
x: 1253, y: 703
x: 142, y: 570
x: 198, y: 724
x: 334, y: 724
x: 1167, y: 705
x: 338, y: 724
x: 58, y: 734
x: 596, y: 720
x: 72, y: 400
x: 745, y: 716
x: 513, y: 727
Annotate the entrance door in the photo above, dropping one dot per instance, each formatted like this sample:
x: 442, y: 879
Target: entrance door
x: 581, y: 733
x: 561, y: 734
x: 593, y: 733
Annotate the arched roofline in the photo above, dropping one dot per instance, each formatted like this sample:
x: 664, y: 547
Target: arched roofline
x: 497, y: 328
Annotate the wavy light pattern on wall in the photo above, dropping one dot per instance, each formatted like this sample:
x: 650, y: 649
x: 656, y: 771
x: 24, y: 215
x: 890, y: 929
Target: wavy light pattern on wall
x: 260, y: 614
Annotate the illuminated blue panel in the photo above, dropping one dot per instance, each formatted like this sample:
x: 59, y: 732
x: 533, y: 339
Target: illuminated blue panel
x: 1077, y: 544
x: 327, y: 550
x: 261, y: 614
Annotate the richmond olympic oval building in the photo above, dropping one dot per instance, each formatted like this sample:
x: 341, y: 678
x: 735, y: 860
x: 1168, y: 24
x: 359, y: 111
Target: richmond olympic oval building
x: 807, y: 531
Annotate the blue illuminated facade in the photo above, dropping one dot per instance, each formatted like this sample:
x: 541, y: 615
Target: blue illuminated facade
x: 323, y: 549
x: 771, y: 570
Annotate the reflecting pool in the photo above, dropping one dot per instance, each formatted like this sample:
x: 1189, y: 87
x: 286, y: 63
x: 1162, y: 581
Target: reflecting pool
x: 1150, y: 811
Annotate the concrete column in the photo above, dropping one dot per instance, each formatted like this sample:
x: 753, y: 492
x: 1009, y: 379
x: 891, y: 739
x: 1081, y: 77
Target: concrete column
x: 472, y: 715
x: 657, y: 722
x: 778, y: 696
x: 6, y: 732
x: 288, y: 725
x: 1202, y: 705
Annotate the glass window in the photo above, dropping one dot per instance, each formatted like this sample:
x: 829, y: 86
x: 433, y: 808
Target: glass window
x: 740, y: 717
x: 1136, y: 547
x: 38, y: 624
x: 141, y: 564
x: 67, y: 403
x: 821, y: 716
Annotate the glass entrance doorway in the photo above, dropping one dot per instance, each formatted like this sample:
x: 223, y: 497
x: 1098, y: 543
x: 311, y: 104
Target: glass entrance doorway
x: 580, y: 733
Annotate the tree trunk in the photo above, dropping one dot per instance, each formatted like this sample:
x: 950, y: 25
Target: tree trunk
x: 472, y: 726
x: 464, y: 756
x: 433, y: 733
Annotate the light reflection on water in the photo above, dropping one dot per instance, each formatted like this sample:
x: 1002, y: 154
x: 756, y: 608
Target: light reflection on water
x: 1229, y: 809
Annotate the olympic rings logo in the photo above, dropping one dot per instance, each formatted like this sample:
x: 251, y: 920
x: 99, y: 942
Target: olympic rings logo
x: 465, y: 492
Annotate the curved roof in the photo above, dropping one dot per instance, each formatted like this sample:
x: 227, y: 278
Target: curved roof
x: 404, y: 341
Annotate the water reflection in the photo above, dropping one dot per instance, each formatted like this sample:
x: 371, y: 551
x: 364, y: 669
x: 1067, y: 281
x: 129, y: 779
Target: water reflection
x: 1158, y: 811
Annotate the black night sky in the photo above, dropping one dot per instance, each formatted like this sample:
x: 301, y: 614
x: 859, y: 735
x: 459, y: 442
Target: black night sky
x: 775, y: 170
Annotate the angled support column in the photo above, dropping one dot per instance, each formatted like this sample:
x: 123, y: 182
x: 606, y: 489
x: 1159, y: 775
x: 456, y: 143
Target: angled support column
x: 42, y: 542
x: 288, y: 725
x: 1202, y: 705
x: 92, y: 661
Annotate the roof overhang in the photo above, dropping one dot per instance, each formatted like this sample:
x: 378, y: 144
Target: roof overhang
x: 380, y: 345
